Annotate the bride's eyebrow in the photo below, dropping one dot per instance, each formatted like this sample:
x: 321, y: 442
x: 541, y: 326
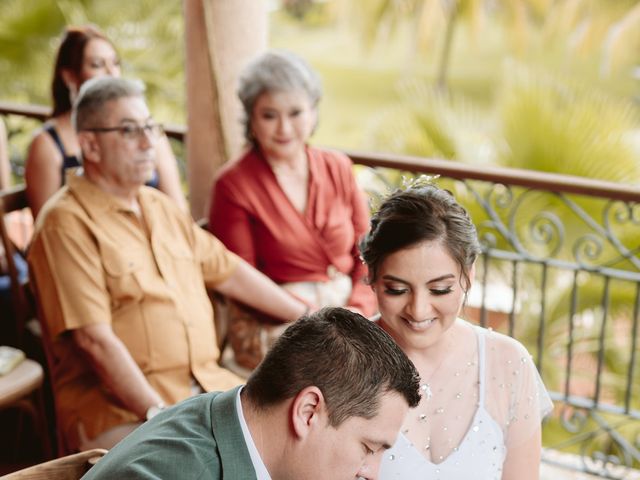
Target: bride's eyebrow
x: 437, y: 279
x: 394, y: 279
x: 442, y: 277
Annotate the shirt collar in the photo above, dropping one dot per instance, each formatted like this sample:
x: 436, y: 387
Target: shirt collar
x: 92, y: 197
x: 258, y: 465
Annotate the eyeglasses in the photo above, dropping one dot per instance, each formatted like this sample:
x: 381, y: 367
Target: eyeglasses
x: 131, y: 131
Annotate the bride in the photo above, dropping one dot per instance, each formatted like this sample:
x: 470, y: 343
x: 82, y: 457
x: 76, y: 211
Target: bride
x: 482, y: 397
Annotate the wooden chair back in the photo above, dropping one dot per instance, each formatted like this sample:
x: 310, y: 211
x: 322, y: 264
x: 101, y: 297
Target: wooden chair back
x: 11, y: 200
x: 48, y: 353
x: 22, y: 389
x: 71, y: 467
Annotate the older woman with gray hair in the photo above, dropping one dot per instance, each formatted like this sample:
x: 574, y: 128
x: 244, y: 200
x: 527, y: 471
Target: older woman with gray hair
x: 291, y: 210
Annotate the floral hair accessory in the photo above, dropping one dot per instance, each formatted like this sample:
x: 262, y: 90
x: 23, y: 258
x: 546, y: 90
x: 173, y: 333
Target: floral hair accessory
x: 419, y: 181
x: 406, y: 183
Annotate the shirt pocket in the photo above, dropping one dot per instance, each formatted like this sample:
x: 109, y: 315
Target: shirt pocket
x: 122, y: 270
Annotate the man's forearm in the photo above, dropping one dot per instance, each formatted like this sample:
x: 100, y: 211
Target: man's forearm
x: 116, y: 368
x: 255, y: 289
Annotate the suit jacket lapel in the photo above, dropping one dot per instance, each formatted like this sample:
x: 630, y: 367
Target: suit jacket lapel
x: 234, y: 456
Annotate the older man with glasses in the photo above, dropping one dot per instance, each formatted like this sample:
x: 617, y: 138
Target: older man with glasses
x: 122, y: 276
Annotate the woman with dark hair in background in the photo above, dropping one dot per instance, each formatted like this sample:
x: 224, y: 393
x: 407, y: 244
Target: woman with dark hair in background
x: 84, y: 53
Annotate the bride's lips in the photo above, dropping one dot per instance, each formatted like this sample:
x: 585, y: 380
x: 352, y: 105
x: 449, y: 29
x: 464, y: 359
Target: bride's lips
x: 421, y: 325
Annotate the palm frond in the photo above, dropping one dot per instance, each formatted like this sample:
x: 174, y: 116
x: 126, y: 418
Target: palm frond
x: 554, y: 125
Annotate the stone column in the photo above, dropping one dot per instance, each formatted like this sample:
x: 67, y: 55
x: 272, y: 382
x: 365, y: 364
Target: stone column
x: 220, y: 36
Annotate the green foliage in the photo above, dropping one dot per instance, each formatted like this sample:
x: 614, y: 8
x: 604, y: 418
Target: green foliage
x: 554, y: 125
x: 148, y: 35
x: 538, y: 121
x: 377, y: 19
x: 25, y: 35
x: 433, y: 123
x: 311, y: 12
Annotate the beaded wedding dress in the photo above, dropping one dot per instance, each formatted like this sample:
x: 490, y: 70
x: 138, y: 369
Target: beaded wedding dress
x: 477, y: 405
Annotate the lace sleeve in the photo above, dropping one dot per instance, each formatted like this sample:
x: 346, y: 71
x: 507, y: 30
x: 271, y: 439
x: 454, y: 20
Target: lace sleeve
x: 517, y: 396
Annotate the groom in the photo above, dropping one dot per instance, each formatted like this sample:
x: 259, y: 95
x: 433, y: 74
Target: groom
x: 326, y: 402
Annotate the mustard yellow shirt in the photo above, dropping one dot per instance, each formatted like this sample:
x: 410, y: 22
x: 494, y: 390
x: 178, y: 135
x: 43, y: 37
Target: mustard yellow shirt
x: 95, y: 261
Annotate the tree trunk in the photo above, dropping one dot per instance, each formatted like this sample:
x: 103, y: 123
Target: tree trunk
x: 220, y: 36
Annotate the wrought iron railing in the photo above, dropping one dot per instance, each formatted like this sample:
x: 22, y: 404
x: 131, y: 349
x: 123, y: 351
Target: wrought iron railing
x: 560, y: 271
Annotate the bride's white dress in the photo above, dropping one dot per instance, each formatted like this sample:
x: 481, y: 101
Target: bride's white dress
x: 505, y: 375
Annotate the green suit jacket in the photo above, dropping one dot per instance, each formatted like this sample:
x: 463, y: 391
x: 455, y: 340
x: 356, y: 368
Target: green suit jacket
x: 199, y: 438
